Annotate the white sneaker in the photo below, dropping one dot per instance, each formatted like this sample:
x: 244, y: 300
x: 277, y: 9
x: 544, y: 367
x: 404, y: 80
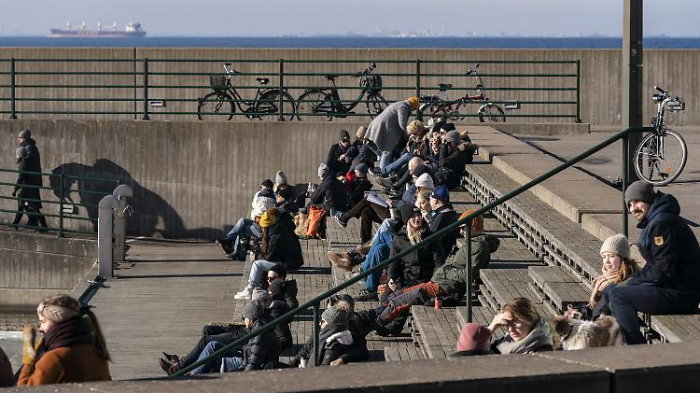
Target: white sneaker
x: 245, y: 294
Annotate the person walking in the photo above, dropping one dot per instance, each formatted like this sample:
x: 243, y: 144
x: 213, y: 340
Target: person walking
x: 29, y: 182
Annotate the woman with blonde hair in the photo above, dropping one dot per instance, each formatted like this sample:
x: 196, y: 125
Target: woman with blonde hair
x: 527, y: 332
x: 73, y: 348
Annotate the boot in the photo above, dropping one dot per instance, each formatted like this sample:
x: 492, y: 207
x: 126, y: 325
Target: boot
x: 341, y: 260
x: 364, y: 248
x: 356, y: 258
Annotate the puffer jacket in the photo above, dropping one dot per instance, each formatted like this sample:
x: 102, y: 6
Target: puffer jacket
x: 444, y: 216
x: 451, y: 165
x: 284, y: 334
x: 669, y: 248
x: 262, y: 349
x: 282, y: 246
x: 335, y: 342
x: 418, y: 266
x: 331, y: 193
x: 452, y: 276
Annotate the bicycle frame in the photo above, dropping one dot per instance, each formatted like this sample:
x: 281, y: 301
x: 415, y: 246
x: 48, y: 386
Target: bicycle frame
x: 338, y: 105
x: 237, y: 98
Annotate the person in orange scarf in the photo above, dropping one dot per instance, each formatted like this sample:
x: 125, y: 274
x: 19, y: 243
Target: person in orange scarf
x: 618, y: 265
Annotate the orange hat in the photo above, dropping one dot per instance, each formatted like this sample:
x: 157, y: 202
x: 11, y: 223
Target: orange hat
x: 414, y: 101
x: 477, y: 222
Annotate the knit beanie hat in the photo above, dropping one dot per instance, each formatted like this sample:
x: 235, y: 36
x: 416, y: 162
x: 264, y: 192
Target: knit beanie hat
x: 322, y: 169
x: 261, y: 204
x: 640, y: 191
x: 425, y: 181
x: 447, y: 127
x: 269, y: 218
x: 414, y: 102
x: 25, y: 134
x: 285, y: 193
x: 344, y: 301
x: 452, y: 136
x: 280, y: 178
x: 477, y: 222
x: 360, y: 133
x: 344, y: 135
x: 362, y: 168
x: 617, y: 244
x: 474, y: 337
x: 253, y: 310
x: 419, y: 170
x: 261, y: 295
x: 335, y: 316
x: 407, y: 210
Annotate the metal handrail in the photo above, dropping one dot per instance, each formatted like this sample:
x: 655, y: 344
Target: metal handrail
x: 315, y: 302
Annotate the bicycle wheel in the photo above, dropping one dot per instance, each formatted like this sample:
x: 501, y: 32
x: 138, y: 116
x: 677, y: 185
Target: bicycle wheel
x: 492, y: 113
x: 375, y: 104
x: 312, y: 103
x: 659, y: 159
x: 215, y: 106
x: 269, y: 102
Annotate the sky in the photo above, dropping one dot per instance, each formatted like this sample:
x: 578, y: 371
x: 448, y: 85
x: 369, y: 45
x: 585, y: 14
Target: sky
x: 677, y: 18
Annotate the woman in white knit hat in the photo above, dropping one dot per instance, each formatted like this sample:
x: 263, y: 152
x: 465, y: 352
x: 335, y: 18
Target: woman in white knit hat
x: 618, y: 265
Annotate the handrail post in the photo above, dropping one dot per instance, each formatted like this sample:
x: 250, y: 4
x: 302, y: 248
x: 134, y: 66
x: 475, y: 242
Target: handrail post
x: 281, y: 87
x: 470, y: 279
x: 419, y: 114
x: 578, y: 91
x: 625, y: 180
x: 121, y: 193
x: 317, y: 326
x: 13, y: 113
x: 145, y: 89
x: 61, y: 195
x: 104, y: 236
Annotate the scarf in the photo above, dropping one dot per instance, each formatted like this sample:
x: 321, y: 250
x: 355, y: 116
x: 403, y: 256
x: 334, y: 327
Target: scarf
x: 72, y: 331
x: 540, y: 336
x: 608, y: 277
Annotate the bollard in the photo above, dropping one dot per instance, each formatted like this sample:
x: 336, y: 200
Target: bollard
x: 121, y: 193
x: 104, y: 236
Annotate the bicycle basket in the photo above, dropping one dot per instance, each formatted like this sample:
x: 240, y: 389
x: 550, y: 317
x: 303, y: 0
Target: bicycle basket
x: 373, y: 83
x: 218, y: 82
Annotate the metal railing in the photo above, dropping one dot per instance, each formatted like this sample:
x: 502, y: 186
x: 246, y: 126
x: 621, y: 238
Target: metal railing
x: 144, y: 88
x: 68, y: 209
x: 316, y: 301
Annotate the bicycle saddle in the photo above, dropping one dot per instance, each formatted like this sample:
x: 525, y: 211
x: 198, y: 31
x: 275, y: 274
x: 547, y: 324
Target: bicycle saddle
x: 331, y: 77
x: 445, y: 86
x: 263, y: 81
x: 429, y: 97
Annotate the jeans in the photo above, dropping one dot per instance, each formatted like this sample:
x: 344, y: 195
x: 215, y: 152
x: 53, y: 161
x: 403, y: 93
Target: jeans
x: 232, y: 360
x: 396, y: 165
x: 258, y: 272
x: 243, y: 229
x: 387, y: 225
x: 221, y: 334
x: 379, y: 252
x: 626, y: 299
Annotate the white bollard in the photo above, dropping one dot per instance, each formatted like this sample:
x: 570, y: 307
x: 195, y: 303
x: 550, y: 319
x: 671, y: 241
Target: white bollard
x: 104, y: 236
x: 121, y: 193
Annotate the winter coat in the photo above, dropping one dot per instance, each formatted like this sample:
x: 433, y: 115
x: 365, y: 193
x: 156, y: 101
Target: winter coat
x: 331, y: 193
x: 361, y: 153
x: 288, y: 209
x: 451, y: 165
x: 77, y: 363
x: 283, y: 247
x: 333, y: 161
x: 31, y: 162
x: 357, y: 190
x: 335, y: 342
x: 7, y: 378
x: 284, y: 334
x: 452, y: 276
x: 416, y: 267
x: 290, y: 291
x: 388, y: 129
x: 444, y: 216
x: 263, y: 348
x: 669, y: 248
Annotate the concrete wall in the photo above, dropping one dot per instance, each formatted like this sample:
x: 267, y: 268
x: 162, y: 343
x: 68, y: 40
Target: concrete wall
x: 190, y: 179
x: 34, y: 266
x: 600, y: 77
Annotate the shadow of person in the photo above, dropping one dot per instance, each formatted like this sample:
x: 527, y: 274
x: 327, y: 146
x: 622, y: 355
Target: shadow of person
x: 152, y: 215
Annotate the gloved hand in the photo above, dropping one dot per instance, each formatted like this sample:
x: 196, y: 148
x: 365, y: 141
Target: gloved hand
x: 28, y: 349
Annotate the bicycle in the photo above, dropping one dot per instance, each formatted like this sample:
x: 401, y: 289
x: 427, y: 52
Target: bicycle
x: 439, y: 107
x: 662, y: 154
x: 327, y: 101
x: 224, y: 100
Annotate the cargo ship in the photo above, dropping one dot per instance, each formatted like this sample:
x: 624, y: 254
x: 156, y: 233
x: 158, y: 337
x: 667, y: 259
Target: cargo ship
x: 108, y: 31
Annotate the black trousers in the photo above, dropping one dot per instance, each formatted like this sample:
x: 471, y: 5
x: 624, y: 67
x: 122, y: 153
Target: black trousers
x: 222, y: 334
x: 368, y: 213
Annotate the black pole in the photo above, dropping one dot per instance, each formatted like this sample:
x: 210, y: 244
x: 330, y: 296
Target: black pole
x: 13, y: 114
x: 632, y: 50
x: 317, y: 328
x: 145, y: 90
x: 470, y: 279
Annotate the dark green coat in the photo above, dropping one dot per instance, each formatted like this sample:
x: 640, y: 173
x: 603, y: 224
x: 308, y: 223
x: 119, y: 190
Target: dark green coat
x: 452, y: 276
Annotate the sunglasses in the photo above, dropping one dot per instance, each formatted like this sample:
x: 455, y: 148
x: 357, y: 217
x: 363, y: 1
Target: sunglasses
x: 271, y: 278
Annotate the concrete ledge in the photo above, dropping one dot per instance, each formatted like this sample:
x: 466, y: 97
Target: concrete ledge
x: 543, y: 128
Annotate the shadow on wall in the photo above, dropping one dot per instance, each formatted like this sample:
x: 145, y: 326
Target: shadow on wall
x: 152, y: 215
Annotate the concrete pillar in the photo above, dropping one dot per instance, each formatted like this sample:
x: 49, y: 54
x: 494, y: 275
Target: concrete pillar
x: 122, y: 211
x: 104, y: 236
x: 632, y: 49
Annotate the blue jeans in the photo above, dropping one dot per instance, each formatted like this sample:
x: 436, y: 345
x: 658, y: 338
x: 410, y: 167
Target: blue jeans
x: 396, y: 165
x: 379, y: 252
x: 258, y: 272
x: 243, y: 229
x: 387, y: 225
x: 232, y: 360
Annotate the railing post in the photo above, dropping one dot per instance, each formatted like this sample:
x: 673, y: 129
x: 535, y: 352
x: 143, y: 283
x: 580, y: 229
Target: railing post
x: 121, y: 193
x: 61, y: 195
x: 145, y: 89
x: 625, y: 180
x: 281, y: 87
x: 470, y: 279
x: 578, y: 91
x: 104, y: 236
x: 317, y: 328
x: 419, y: 114
x: 13, y: 113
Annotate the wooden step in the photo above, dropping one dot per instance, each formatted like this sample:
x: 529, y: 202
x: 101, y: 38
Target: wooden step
x: 677, y: 328
x: 438, y: 330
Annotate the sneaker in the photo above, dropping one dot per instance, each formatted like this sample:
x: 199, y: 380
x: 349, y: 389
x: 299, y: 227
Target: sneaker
x: 245, y: 294
x: 337, y: 214
x: 385, y: 183
x: 341, y: 260
x: 366, y: 295
x: 225, y: 246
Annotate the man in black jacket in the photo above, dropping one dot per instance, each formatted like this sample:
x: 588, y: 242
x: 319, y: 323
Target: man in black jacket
x: 338, y: 161
x: 452, y: 160
x: 443, y: 214
x: 669, y: 283
x: 28, y: 184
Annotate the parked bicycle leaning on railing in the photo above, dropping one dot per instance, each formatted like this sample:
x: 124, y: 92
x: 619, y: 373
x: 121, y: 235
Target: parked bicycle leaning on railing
x: 327, y: 102
x: 225, y: 98
x: 661, y: 155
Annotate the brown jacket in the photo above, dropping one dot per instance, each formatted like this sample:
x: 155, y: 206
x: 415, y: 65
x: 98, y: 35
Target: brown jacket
x: 79, y: 363
x: 7, y: 378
